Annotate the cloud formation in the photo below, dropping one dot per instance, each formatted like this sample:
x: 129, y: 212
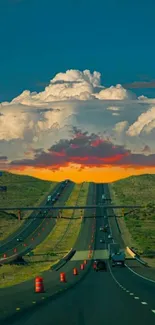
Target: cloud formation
x: 140, y: 85
x: 120, y: 123
x: 86, y: 150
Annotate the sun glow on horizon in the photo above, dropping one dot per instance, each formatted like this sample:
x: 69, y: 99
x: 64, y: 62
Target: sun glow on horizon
x: 75, y: 174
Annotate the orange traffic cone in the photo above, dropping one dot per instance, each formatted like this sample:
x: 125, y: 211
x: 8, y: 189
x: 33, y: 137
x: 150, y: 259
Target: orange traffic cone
x: 39, y: 285
x: 85, y: 262
x: 62, y: 277
x: 82, y: 266
x: 75, y: 271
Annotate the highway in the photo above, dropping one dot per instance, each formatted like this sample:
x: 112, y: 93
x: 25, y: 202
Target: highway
x: 116, y: 296
x: 147, y: 272
x: 35, y: 228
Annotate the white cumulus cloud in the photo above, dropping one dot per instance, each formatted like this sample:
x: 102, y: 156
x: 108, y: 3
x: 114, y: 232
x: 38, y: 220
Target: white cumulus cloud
x: 72, y: 98
x: 144, y: 123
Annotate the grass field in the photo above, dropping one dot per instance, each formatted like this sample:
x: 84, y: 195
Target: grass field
x: 138, y: 227
x: 21, y: 191
x: 54, y: 247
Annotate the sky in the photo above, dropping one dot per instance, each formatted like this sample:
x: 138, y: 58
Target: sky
x: 77, y: 89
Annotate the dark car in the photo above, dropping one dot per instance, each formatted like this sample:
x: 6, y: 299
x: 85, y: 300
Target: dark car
x: 99, y: 265
x: 19, y: 239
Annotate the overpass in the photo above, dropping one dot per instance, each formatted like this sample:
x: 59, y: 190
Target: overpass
x: 82, y: 207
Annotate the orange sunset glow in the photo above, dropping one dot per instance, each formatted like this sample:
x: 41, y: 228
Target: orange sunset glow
x: 93, y: 174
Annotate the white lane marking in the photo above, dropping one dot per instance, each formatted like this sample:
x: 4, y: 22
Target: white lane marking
x: 143, y: 277
x: 153, y: 310
x: 114, y: 276
x: 131, y: 294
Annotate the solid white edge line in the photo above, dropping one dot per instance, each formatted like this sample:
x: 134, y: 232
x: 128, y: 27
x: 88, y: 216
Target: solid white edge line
x: 141, y: 276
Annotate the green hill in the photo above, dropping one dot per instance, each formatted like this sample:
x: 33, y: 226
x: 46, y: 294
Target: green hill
x: 21, y: 191
x: 140, y: 222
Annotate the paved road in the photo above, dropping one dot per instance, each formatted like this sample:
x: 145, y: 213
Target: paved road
x: 28, y: 220
x: 23, y: 295
x: 35, y: 230
x: 101, y: 298
x: 147, y: 272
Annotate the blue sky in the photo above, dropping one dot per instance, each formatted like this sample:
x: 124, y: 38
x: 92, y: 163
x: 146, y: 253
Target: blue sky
x: 41, y: 38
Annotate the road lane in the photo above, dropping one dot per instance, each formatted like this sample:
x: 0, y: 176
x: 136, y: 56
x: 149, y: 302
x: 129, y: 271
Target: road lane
x: 23, y: 294
x: 29, y: 231
x: 28, y: 221
x: 98, y: 299
x: 147, y: 272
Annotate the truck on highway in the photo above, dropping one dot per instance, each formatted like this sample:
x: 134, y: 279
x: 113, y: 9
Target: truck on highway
x: 116, y: 255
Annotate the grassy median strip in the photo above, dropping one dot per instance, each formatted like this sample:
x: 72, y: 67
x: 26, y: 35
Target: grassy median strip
x: 21, y: 191
x: 54, y: 247
x: 138, y: 227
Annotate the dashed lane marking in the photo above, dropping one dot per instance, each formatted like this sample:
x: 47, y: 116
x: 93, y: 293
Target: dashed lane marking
x: 34, y: 302
x: 18, y: 308
x: 130, y: 293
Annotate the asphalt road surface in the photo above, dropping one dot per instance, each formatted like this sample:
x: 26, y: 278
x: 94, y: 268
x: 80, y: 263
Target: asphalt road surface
x: 35, y: 230
x: 115, y: 296
x: 133, y: 264
x: 22, y: 295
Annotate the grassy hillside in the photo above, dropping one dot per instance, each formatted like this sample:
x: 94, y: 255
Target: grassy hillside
x: 21, y: 191
x: 140, y: 222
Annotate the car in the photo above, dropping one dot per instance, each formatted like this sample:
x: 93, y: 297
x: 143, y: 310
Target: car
x: 102, y: 241
x: 110, y: 236
x: 19, y: 239
x: 99, y: 265
x: 101, y: 228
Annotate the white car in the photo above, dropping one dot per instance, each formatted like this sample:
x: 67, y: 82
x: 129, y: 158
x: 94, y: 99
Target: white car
x: 101, y: 228
x: 109, y: 236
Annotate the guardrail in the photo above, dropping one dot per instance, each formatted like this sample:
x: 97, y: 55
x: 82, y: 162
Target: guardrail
x: 141, y: 261
x: 135, y: 256
x: 64, y: 260
x: 14, y: 257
